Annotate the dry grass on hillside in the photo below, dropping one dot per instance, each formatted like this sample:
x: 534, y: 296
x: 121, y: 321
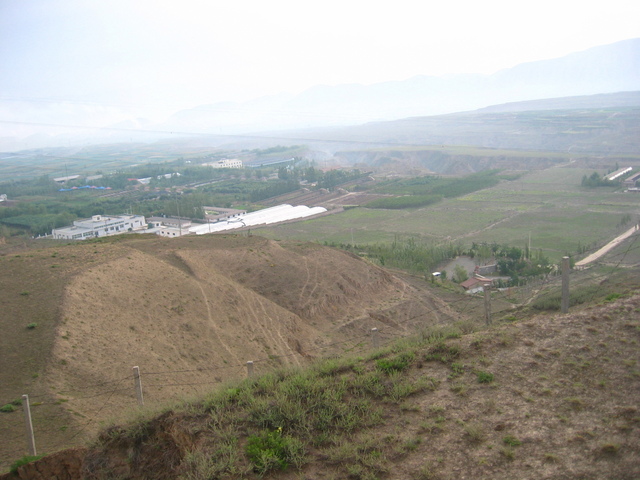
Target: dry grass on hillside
x: 547, y: 398
x: 190, y: 312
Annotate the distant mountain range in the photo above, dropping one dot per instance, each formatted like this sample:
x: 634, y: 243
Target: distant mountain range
x: 607, y: 124
x: 605, y: 69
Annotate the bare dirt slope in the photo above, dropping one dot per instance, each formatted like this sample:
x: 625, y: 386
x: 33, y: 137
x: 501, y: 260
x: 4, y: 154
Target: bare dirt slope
x: 190, y: 313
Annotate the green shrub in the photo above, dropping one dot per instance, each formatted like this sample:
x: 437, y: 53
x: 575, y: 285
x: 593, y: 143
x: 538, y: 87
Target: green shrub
x: 484, y: 377
x: 397, y: 364
x: 442, y: 352
x: 271, y: 450
x: 8, y: 408
x: 31, y: 326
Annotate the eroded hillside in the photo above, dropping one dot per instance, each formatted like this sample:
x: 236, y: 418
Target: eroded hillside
x: 190, y: 313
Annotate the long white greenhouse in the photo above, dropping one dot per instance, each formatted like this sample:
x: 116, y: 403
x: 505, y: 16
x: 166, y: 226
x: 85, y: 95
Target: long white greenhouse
x: 280, y: 213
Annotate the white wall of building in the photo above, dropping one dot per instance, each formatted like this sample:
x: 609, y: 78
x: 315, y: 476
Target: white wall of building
x: 100, y: 226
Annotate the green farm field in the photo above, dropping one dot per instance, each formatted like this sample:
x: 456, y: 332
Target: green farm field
x: 550, y: 207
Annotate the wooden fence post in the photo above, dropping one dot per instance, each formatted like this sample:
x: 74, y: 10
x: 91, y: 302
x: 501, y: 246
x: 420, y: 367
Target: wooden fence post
x: 138, y: 382
x: 487, y: 303
x: 29, y: 425
x: 375, y: 339
x: 564, y: 304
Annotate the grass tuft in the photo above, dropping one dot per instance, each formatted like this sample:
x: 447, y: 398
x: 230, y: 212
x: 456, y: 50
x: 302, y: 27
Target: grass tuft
x: 271, y: 450
x: 610, y: 448
x: 511, y: 441
x: 484, y: 377
x: 396, y: 364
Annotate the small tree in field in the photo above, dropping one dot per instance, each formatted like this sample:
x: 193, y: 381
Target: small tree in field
x: 460, y: 274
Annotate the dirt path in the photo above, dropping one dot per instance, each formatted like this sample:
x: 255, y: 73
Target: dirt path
x: 613, y: 243
x: 214, y: 325
x: 509, y: 216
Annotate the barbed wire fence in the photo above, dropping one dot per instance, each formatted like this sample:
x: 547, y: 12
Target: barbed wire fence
x: 162, y: 387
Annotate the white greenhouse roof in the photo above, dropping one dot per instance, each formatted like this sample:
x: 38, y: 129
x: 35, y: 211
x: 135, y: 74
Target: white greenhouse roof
x: 266, y: 216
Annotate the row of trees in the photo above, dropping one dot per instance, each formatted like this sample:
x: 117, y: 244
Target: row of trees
x: 595, y: 180
x: 422, y: 257
x: 408, y: 253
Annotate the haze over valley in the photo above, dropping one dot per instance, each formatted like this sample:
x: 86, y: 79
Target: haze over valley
x: 606, y: 69
x: 332, y: 240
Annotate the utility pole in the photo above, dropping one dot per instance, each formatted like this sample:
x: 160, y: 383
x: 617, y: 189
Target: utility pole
x: 179, y: 221
x: 564, y: 304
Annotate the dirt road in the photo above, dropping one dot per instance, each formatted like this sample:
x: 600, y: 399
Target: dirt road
x: 616, y: 241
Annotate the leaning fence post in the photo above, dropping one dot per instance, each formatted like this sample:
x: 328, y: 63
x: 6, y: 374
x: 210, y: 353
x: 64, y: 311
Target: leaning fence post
x: 138, y: 381
x: 29, y: 425
x: 375, y: 339
x: 564, y: 304
x: 250, y: 368
x: 487, y: 303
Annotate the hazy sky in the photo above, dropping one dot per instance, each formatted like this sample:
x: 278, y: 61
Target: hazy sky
x: 189, y: 52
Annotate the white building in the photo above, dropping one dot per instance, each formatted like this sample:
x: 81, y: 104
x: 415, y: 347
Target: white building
x: 100, y: 226
x: 226, y: 163
x: 618, y: 173
x: 170, y: 232
x: 169, y: 226
x: 266, y: 216
x: 66, y: 179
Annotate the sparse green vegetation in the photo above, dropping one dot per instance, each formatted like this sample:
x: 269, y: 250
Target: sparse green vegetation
x: 396, y: 364
x: 23, y: 461
x: 511, y: 441
x: 578, y: 296
x: 484, y: 377
x: 508, y: 453
x: 475, y: 432
x: 612, y: 296
x: 272, y: 450
x: 442, y: 352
